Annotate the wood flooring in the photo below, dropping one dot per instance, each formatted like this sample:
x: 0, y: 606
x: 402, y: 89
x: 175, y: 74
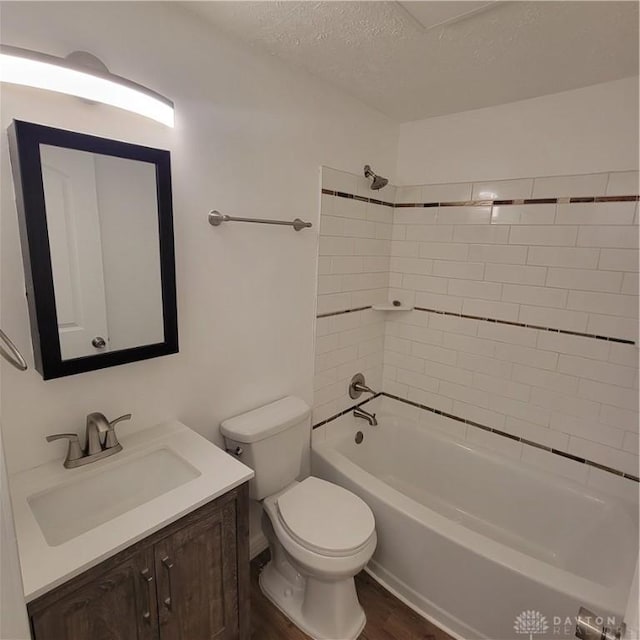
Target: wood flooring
x: 387, y: 617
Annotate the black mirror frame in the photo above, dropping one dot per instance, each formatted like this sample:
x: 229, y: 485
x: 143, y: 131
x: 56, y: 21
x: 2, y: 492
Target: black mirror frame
x: 25, y: 139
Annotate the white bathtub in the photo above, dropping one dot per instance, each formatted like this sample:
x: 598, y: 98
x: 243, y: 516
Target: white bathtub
x: 471, y: 539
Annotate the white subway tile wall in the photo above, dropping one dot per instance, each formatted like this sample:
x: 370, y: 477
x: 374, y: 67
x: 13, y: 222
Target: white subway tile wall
x: 502, y: 190
x: 354, y: 250
x: 353, y: 272
x: 594, y: 184
x: 346, y: 344
x: 623, y: 183
x: 569, y: 266
x: 565, y: 266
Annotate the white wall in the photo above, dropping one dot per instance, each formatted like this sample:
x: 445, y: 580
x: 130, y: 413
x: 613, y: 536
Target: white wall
x: 13, y: 618
x: 250, y: 137
x: 588, y: 130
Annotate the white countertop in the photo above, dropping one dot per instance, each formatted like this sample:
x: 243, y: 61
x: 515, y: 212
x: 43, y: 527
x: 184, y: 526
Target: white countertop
x: 45, y: 567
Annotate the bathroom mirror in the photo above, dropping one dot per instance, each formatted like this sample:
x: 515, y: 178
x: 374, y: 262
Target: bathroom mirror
x: 96, y: 229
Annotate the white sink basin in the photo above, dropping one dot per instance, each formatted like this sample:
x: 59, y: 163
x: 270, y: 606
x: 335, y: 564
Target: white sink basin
x: 69, y: 520
x: 69, y: 510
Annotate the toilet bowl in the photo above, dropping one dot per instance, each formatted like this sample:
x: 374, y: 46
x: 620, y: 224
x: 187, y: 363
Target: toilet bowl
x: 320, y: 535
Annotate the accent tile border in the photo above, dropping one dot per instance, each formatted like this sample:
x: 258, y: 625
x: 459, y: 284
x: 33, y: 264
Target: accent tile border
x: 528, y: 326
x: 484, y: 427
x: 488, y: 203
x: 511, y: 323
x: 341, y: 313
x: 351, y: 196
x: 485, y: 203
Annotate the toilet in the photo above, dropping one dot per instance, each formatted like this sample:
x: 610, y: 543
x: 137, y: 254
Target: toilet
x: 320, y: 535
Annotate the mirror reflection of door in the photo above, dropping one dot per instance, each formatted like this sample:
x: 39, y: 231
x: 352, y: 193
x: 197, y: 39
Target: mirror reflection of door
x: 102, y: 220
x: 69, y: 181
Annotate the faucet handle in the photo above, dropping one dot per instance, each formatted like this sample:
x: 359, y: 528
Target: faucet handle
x: 357, y: 387
x: 74, y: 452
x: 111, y: 439
x: 113, y: 423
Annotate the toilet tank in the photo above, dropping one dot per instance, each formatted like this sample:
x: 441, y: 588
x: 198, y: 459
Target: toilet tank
x: 272, y: 440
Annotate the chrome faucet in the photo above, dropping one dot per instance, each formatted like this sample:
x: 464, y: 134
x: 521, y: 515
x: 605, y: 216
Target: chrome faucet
x: 358, y: 412
x: 97, y: 446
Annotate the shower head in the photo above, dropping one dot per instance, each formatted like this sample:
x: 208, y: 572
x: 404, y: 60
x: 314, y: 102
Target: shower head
x: 378, y: 181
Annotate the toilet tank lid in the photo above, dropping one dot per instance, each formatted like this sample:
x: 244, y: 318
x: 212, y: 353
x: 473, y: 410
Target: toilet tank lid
x: 265, y: 421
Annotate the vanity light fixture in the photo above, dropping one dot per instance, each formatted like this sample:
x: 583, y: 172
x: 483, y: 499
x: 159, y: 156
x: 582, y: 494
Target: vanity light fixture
x: 83, y: 75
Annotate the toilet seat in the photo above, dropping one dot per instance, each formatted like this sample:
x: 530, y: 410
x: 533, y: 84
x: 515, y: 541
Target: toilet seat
x: 325, y: 518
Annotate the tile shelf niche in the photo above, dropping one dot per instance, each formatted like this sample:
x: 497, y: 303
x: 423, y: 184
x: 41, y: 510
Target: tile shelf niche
x: 391, y: 307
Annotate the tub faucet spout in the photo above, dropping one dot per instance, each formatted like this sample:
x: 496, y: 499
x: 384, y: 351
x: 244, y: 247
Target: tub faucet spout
x: 365, y: 415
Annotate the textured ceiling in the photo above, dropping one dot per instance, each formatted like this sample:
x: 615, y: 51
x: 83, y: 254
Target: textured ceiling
x: 381, y: 53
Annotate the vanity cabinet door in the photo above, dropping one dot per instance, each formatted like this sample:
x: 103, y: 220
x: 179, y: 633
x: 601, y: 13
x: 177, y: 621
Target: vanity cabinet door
x: 197, y: 573
x: 117, y: 604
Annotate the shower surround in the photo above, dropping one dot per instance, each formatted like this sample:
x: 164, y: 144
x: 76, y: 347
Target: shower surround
x: 525, y: 322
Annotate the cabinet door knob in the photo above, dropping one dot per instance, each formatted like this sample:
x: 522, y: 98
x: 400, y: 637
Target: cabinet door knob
x: 99, y: 342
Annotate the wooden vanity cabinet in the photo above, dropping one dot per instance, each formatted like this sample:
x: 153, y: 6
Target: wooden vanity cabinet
x: 188, y: 581
x: 109, y: 606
